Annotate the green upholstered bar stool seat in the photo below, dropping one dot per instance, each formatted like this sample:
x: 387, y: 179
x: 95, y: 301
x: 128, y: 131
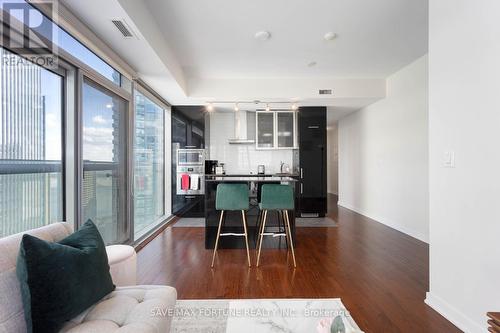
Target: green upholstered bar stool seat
x: 232, y: 197
x: 279, y: 198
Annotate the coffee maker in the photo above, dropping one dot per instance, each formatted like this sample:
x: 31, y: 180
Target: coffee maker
x: 210, y: 166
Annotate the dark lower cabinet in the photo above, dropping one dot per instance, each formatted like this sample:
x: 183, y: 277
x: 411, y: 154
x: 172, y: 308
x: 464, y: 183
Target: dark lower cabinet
x: 189, y: 206
x: 312, y: 191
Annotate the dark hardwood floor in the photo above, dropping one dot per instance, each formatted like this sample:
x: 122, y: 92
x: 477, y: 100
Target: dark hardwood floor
x: 380, y: 274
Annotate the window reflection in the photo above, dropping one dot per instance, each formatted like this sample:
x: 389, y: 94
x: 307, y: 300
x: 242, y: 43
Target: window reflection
x: 31, y: 189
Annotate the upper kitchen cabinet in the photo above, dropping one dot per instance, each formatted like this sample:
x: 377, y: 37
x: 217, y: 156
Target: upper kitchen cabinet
x: 265, y: 130
x: 276, y: 130
x: 188, y: 126
x: 285, y: 129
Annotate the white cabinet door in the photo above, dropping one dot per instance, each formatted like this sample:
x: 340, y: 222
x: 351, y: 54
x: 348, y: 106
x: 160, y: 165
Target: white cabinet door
x: 265, y: 130
x: 285, y: 129
x: 276, y: 130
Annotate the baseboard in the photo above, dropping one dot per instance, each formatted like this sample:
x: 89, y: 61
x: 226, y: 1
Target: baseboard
x: 410, y: 232
x: 453, y: 315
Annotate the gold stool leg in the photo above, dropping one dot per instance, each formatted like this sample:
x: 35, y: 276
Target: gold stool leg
x: 258, y: 225
x: 284, y: 227
x: 218, y: 235
x: 246, y: 236
x: 289, y: 233
x: 262, y: 229
x: 259, y: 236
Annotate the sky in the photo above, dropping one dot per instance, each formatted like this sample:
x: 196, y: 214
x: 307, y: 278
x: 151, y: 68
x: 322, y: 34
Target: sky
x: 51, y: 89
x: 97, y: 134
x: 98, y: 108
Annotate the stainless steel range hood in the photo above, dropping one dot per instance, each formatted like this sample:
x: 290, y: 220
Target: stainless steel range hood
x: 240, y: 129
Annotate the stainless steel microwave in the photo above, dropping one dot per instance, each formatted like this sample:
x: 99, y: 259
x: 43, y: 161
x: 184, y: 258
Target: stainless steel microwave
x: 191, y: 157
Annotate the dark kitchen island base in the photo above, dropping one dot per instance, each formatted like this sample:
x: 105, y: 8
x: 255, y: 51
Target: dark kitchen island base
x: 233, y: 220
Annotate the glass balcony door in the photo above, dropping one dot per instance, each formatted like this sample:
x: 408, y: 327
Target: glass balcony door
x: 104, y: 153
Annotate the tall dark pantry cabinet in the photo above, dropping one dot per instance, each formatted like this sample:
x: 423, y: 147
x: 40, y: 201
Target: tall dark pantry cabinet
x: 312, y: 189
x: 188, y: 132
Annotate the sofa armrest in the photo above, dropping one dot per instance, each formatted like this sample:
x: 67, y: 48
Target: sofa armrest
x: 122, y: 264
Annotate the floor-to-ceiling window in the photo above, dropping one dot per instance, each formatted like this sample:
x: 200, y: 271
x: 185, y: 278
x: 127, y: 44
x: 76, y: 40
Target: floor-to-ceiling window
x: 31, y: 145
x: 104, y: 195
x: 149, y: 164
x: 68, y: 147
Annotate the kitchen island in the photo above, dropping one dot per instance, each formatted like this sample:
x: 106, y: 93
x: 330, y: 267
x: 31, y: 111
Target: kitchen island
x: 233, y: 222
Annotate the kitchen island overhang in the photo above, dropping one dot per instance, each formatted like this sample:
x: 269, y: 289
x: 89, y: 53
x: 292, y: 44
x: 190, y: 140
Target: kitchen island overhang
x: 232, y: 220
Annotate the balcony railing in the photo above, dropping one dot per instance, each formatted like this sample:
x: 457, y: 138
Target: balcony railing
x: 102, y: 199
x: 30, y: 194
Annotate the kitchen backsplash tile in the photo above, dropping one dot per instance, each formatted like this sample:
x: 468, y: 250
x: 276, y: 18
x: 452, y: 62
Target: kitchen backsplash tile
x: 241, y: 158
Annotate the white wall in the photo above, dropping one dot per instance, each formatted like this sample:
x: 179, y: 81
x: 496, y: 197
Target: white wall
x: 332, y: 159
x: 383, y: 155
x: 241, y: 158
x: 464, y: 117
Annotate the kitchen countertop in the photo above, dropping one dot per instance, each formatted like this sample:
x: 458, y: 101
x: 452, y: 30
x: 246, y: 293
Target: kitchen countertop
x: 256, y: 175
x: 249, y: 178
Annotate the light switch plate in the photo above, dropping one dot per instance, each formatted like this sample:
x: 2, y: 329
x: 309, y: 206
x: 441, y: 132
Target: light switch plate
x: 449, y: 159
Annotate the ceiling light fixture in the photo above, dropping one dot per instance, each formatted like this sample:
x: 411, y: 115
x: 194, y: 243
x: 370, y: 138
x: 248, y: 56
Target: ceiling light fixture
x: 262, y: 35
x: 267, y: 107
x: 294, y: 106
x: 236, y: 107
x: 330, y: 36
x: 210, y: 107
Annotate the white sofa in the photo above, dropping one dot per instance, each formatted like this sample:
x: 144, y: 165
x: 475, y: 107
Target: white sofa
x: 128, y: 309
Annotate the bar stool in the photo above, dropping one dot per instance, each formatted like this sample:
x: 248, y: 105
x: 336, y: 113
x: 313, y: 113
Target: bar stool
x: 276, y: 197
x: 232, y: 197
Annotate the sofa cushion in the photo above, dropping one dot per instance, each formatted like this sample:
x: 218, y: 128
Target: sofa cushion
x: 128, y: 309
x: 11, y: 306
x: 60, y: 280
x: 123, y: 264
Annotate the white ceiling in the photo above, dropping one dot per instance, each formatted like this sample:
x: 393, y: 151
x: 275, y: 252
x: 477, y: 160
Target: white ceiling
x: 194, y: 51
x: 216, y: 38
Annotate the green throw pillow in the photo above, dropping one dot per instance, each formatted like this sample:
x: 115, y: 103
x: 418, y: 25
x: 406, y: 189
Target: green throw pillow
x: 61, y: 280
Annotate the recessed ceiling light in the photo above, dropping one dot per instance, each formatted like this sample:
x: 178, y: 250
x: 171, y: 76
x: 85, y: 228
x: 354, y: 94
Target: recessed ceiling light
x: 312, y: 64
x: 330, y: 36
x: 262, y: 35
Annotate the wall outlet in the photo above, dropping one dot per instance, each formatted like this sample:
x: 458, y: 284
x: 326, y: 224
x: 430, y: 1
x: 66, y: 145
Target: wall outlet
x: 449, y: 159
